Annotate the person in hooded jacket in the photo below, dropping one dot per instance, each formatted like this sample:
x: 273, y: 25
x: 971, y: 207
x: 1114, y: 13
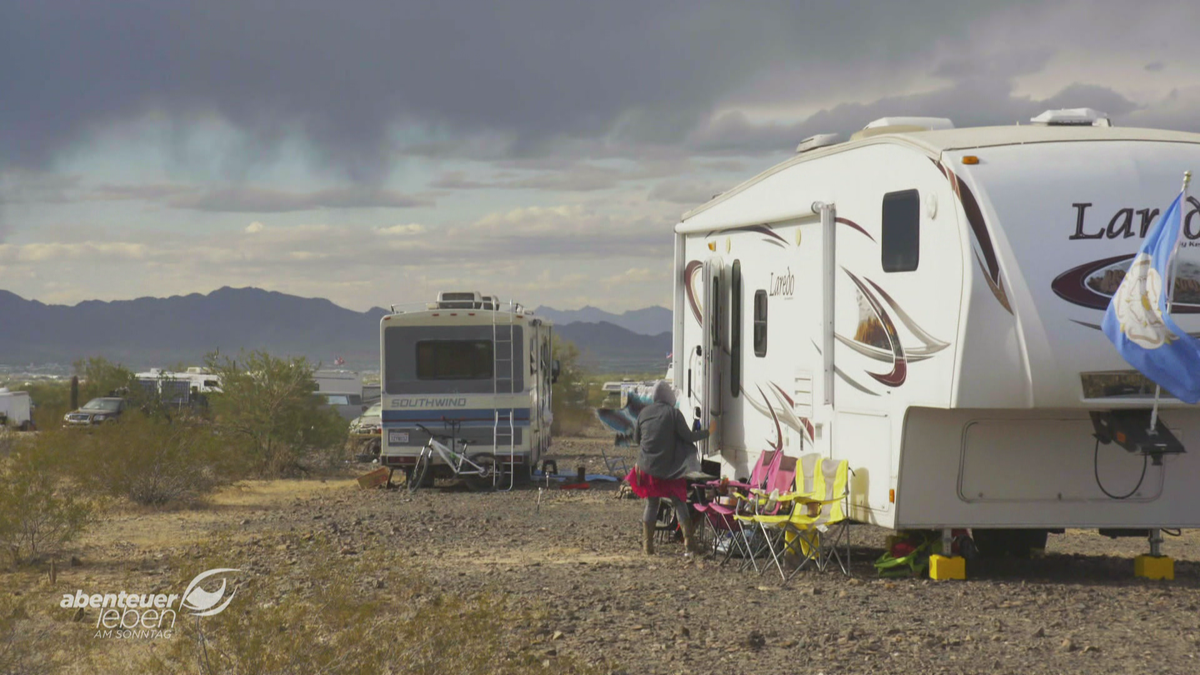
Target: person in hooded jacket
x: 665, y: 445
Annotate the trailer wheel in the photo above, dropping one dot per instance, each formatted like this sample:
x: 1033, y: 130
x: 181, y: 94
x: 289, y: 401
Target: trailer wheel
x: 998, y: 543
x: 26, y: 425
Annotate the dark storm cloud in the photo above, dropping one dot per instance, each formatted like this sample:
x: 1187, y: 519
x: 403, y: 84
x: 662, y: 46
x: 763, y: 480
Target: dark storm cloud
x: 354, y: 80
x: 264, y: 200
x: 966, y: 103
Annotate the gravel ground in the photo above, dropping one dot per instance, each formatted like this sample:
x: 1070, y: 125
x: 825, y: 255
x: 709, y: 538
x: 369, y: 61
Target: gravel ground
x: 1077, y: 610
x: 575, y: 555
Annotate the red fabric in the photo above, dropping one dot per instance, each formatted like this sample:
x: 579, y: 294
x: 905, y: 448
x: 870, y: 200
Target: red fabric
x: 644, y: 485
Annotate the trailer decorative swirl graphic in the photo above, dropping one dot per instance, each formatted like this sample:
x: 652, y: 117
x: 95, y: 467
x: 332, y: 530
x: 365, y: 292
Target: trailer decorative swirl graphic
x: 985, y: 253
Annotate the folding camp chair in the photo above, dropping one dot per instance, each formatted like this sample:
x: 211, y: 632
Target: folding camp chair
x: 765, y: 503
x: 813, y: 523
x: 719, y: 517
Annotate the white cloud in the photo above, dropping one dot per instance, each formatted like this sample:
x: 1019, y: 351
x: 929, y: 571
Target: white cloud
x: 255, y: 227
x: 402, y: 230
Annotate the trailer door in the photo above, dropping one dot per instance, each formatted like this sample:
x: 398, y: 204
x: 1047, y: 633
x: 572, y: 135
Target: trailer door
x: 715, y: 301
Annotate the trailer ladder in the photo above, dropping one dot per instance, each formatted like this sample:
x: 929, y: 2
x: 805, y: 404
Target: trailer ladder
x: 504, y: 353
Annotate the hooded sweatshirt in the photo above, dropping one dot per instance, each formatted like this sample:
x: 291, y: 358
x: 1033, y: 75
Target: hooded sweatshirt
x: 663, y: 436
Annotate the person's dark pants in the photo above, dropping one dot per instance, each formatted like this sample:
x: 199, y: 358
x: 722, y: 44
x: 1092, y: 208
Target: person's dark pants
x: 650, y: 515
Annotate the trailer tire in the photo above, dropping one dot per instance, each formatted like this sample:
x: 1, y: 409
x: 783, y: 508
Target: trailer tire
x: 26, y: 425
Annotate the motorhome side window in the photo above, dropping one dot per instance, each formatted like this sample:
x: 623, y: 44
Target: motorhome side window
x: 454, y: 360
x: 760, y: 323
x: 901, y: 231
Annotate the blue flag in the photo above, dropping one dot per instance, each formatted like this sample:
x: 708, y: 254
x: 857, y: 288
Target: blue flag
x: 1138, y: 320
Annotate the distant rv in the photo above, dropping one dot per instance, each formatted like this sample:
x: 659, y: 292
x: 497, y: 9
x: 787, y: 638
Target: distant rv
x: 925, y: 302
x: 179, y: 388
x: 468, y: 365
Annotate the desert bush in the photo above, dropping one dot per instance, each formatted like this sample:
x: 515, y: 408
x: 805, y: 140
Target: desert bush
x: 570, y: 402
x: 27, y: 646
x: 150, y: 460
x: 39, y: 513
x: 348, y: 624
x: 268, y: 408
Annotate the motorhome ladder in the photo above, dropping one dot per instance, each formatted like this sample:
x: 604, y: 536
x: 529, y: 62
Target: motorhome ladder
x: 504, y: 381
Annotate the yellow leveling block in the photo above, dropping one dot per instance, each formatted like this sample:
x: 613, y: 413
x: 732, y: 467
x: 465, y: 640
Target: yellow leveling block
x: 1154, y: 567
x: 942, y: 567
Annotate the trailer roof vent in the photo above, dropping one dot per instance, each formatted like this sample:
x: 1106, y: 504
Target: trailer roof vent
x: 1073, y: 117
x: 818, y: 141
x: 459, y: 300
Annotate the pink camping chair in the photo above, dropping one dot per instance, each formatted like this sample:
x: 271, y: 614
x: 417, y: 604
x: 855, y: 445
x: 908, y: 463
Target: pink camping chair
x: 719, y: 513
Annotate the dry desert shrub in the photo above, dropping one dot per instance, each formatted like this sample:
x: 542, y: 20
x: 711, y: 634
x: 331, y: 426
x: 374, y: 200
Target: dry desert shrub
x: 365, y: 616
x: 39, y: 512
x: 150, y: 460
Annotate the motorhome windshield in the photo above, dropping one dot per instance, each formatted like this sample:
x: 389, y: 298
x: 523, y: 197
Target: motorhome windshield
x: 454, y: 360
x: 448, y: 359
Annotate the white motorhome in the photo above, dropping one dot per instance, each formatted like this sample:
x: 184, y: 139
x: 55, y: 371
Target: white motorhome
x: 467, y: 365
x: 925, y: 302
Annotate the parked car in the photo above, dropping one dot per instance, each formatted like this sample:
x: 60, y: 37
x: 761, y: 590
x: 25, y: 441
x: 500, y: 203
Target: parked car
x: 366, y: 432
x: 96, y: 411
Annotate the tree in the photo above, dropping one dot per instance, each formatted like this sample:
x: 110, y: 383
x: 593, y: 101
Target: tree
x: 268, y: 405
x: 571, y: 412
x: 101, y: 377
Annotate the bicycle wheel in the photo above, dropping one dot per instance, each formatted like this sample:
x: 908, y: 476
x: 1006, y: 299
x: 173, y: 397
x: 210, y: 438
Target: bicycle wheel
x: 417, y: 475
x: 488, y: 474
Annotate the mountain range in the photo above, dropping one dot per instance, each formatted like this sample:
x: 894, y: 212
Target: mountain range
x: 160, y: 332
x: 648, y: 321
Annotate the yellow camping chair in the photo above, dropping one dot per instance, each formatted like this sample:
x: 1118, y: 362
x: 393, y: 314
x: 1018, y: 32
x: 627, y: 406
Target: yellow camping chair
x: 781, y: 539
x: 824, y: 521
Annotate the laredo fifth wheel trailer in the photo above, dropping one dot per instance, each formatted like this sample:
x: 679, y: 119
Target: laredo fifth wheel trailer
x: 925, y: 302
x: 468, y: 363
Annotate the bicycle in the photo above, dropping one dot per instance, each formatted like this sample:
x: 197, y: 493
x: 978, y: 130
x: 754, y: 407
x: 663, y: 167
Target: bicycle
x: 478, y: 471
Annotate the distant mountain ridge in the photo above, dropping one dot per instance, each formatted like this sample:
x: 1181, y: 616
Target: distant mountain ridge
x: 158, y: 332
x: 647, y: 321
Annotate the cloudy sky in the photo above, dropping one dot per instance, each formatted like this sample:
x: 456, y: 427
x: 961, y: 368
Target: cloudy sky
x: 377, y: 151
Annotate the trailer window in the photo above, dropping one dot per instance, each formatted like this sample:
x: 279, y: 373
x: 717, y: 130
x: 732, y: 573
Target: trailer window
x: 454, y: 360
x: 735, y: 329
x: 760, y: 323
x: 901, y: 231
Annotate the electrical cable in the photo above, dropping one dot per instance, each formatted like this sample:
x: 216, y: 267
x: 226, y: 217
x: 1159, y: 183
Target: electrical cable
x: 1177, y: 532
x: 1096, y: 470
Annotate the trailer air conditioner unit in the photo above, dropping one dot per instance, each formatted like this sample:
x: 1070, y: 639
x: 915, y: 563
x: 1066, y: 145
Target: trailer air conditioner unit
x: 902, y: 125
x: 491, y: 302
x: 1073, y: 117
x: 818, y: 141
x: 459, y: 300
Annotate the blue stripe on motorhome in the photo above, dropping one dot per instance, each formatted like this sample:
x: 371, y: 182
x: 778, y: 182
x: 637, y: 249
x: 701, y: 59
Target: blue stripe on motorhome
x: 478, y: 415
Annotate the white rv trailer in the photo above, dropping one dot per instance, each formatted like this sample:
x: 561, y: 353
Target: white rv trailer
x: 16, y: 410
x: 467, y: 364
x: 175, y: 387
x: 925, y: 302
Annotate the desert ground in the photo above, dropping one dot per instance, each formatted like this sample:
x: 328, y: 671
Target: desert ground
x: 572, y: 559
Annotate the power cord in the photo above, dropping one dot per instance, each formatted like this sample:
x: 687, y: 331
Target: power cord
x: 1096, y: 470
